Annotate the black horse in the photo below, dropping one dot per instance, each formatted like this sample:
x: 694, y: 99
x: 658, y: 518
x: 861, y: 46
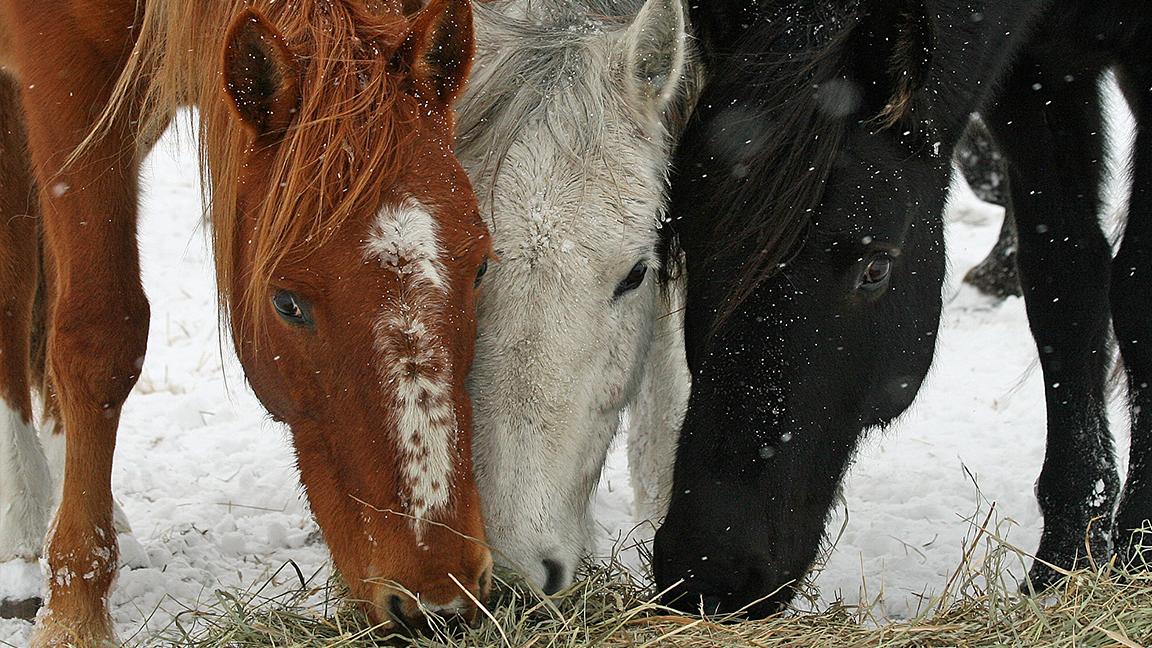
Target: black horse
x: 807, y: 200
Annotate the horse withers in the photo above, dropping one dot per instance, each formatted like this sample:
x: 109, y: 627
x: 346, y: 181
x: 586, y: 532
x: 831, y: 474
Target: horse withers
x: 347, y: 244
x: 809, y: 200
x: 566, y: 130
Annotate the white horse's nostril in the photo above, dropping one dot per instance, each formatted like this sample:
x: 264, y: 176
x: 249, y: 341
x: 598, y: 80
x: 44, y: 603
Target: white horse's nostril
x: 555, y: 576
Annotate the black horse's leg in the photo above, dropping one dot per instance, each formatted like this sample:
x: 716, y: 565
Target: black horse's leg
x: 997, y: 275
x: 983, y: 166
x: 1049, y: 124
x: 1132, y: 316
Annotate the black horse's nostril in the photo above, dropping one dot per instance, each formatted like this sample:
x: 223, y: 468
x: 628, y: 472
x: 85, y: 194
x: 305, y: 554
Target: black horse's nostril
x: 711, y: 605
x: 555, y: 576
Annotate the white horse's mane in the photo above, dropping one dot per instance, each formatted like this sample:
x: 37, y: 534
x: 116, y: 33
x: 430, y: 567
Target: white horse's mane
x: 544, y: 60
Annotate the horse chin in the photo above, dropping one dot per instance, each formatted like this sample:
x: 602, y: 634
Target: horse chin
x: 398, y: 609
x: 712, y: 587
x: 536, y: 497
x: 731, y: 608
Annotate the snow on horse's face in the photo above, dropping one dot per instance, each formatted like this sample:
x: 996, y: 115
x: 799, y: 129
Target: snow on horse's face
x: 562, y: 134
x: 361, y: 337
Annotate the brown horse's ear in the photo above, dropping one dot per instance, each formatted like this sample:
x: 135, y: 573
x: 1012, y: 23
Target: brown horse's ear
x: 439, y: 47
x: 411, y: 6
x: 260, y: 74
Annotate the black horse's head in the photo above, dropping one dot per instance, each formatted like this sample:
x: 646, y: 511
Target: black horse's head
x: 807, y: 202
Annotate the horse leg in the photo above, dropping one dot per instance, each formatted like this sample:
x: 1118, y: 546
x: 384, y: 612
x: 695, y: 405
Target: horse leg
x: 983, y: 167
x: 96, y: 341
x: 52, y: 437
x: 657, y: 413
x: 1131, y: 303
x: 996, y: 275
x: 25, y: 486
x: 982, y: 164
x: 98, y: 315
x: 1049, y: 124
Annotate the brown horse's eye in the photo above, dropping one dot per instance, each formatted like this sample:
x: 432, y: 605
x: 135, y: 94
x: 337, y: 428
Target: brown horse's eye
x: 480, y: 272
x: 876, y: 273
x: 291, y: 308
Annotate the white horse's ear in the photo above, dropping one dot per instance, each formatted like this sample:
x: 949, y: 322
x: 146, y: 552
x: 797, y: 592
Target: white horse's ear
x: 655, y: 48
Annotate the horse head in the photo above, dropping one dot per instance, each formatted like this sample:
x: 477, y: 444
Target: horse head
x: 565, y: 131
x: 349, y: 270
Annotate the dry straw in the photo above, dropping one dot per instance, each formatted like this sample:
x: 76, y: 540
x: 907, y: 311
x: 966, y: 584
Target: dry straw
x: 1098, y: 606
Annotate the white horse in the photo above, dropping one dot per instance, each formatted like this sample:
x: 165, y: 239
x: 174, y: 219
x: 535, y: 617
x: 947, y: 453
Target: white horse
x: 567, y: 130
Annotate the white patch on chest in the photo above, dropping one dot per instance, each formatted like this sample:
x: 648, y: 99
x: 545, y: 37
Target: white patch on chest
x: 413, y: 360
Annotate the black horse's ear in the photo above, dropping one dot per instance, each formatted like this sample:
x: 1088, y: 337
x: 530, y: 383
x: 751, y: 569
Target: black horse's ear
x: 260, y: 74
x: 897, y: 42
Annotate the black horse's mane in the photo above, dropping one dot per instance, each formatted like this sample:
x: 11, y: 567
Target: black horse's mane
x: 781, y: 146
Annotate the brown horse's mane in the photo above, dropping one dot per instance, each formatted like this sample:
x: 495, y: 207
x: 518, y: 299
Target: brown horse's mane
x: 346, y: 141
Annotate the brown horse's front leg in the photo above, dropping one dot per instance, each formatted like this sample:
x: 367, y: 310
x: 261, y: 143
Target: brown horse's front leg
x: 97, y: 337
x: 96, y: 341
x: 98, y: 321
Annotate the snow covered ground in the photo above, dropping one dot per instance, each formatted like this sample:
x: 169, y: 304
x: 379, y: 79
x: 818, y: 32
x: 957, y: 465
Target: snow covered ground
x: 209, y: 485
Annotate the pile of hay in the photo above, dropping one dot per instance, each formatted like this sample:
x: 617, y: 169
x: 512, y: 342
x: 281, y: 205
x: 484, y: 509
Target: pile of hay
x: 1104, y: 606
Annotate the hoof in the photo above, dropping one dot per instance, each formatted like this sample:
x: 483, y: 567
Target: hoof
x: 20, y: 608
x: 995, y: 278
x: 1133, y: 542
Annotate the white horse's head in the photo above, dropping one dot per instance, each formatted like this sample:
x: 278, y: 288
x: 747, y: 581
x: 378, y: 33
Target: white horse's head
x: 565, y: 131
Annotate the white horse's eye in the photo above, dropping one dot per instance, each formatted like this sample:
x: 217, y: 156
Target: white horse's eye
x: 633, y: 280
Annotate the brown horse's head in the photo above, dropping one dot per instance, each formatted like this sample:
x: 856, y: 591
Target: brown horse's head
x: 354, y: 255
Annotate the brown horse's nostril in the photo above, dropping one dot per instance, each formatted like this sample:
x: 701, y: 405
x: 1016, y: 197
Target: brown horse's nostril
x: 403, y: 621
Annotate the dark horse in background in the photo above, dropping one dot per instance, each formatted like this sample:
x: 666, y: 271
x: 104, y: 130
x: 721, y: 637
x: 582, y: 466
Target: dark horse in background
x: 808, y: 200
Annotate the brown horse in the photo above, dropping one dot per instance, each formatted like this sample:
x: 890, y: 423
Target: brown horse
x: 348, y: 250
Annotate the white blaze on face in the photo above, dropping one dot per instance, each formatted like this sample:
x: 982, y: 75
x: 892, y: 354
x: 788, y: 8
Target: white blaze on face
x: 404, y: 239
x: 413, y: 361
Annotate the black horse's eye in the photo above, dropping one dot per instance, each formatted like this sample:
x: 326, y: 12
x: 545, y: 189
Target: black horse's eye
x: 876, y: 273
x: 480, y: 272
x: 291, y: 308
x: 633, y: 280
